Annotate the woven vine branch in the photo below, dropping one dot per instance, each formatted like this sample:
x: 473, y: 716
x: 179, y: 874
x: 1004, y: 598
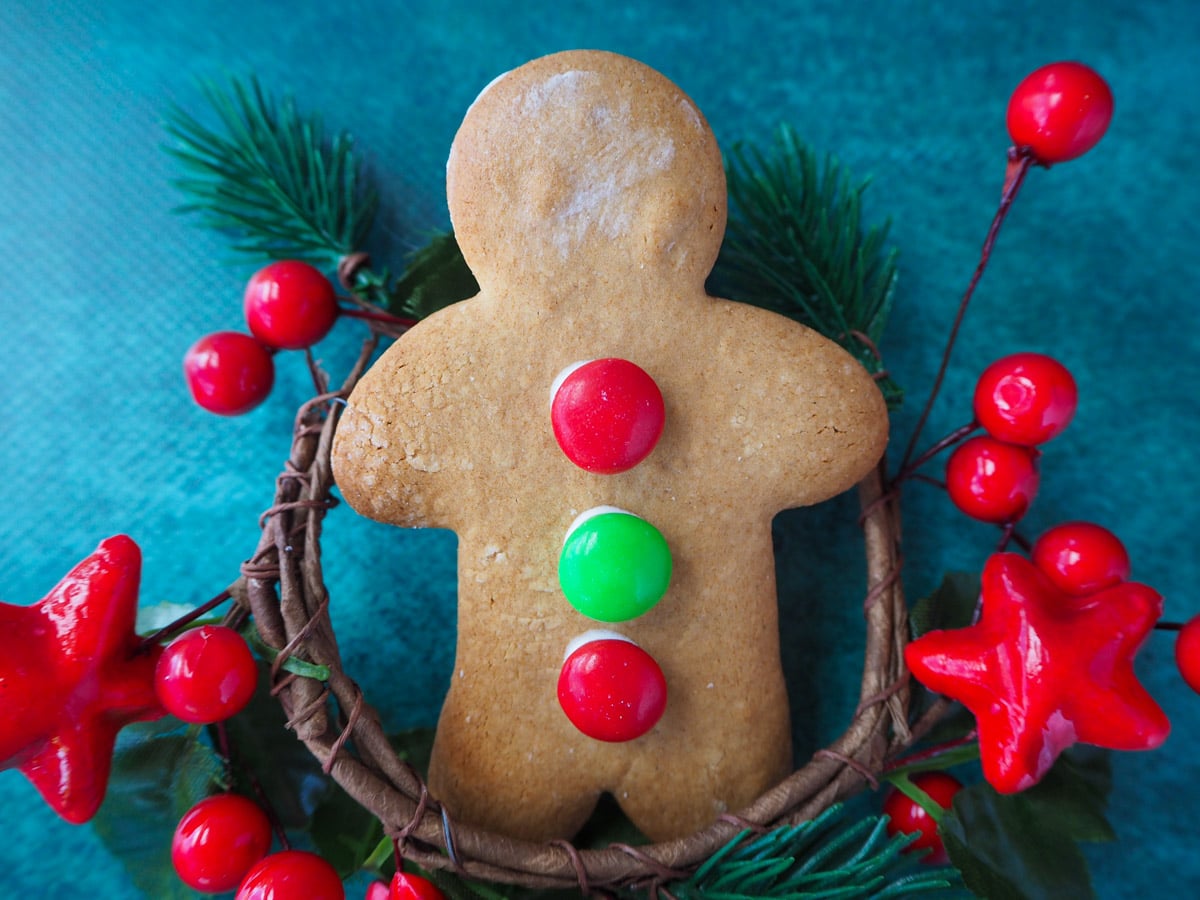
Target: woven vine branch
x: 283, y: 587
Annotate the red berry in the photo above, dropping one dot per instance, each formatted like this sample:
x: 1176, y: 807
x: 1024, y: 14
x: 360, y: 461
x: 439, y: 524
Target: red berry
x: 206, y: 675
x: 906, y: 816
x: 292, y: 875
x: 229, y: 373
x: 408, y: 886
x: 290, y: 305
x: 607, y: 415
x: 1060, y: 111
x: 217, y: 841
x: 1081, y: 558
x: 610, y: 688
x: 378, y: 890
x: 992, y: 481
x: 1187, y: 653
x: 1025, y: 398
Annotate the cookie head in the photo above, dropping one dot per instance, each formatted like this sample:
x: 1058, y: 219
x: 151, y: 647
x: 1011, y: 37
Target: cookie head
x: 585, y: 149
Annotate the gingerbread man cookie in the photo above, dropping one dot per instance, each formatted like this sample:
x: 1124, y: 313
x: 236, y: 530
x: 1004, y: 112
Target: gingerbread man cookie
x: 617, y: 621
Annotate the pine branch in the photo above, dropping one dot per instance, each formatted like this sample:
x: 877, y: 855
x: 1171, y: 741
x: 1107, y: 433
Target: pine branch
x: 271, y: 177
x: 823, y: 858
x: 795, y: 244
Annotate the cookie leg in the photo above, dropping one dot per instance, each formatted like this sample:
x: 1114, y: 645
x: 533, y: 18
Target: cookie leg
x: 508, y: 776
x: 729, y: 769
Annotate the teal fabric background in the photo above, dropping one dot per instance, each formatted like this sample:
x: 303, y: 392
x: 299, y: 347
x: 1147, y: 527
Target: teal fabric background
x: 103, y: 288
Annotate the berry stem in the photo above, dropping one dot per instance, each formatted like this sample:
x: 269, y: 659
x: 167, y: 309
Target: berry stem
x: 269, y: 809
x: 1019, y: 162
x: 378, y: 858
x: 939, y: 756
x: 954, y: 437
x: 905, y: 785
x: 183, y: 621
x: 1006, y: 534
x: 225, y: 750
x: 353, y: 312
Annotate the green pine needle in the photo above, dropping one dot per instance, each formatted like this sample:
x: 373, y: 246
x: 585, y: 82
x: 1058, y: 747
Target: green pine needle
x: 271, y: 177
x: 823, y: 858
x: 795, y: 244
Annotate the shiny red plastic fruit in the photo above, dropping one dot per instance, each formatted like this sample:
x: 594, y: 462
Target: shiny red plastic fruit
x: 607, y: 415
x: 1025, y: 398
x: 229, y: 373
x: 991, y: 480
x: 410, y: 886
x: 611, y: 689
x: 206, y: 675
x: 292, y: 875
x: 290, y: 305
x: 217, y: 841
x: 1187, y: 653
x: 1059, y: 111
x: 1081, y: 557
x: 906, y: 816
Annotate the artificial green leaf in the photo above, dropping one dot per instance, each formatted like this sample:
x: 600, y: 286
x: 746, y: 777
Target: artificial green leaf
x: 415, y: 747
x: 952, y: 728
x: 436, y: 276
x: 293, y: 664
x: 343, y: 831
x: 157, y: 776
x: 951, y: 605
x: 1073, y: 795
x: 268, y: 757
x: 159, y: 615
x: 1023, y: 846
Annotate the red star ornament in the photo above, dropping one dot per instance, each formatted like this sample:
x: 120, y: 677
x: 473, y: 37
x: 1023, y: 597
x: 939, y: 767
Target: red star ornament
x: 71, y: 676
x: 1042, y: 670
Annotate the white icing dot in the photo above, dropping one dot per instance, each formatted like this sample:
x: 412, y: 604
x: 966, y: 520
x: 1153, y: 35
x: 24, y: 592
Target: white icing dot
x: 595, y: 634
x: 563, y: 376
x: 592, y: 513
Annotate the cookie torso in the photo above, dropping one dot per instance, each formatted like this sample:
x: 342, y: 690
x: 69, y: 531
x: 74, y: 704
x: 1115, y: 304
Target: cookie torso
x: 588, y: 196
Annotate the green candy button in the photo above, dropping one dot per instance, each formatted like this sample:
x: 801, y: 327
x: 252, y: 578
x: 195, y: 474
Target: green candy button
x: 614, y: 565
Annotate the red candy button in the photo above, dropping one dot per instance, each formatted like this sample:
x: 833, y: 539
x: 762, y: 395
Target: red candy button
x: 610, y: 688
x: 607, y: 415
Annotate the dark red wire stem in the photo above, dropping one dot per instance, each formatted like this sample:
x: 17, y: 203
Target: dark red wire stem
x: 1018, y: 167
x: 374, y: 316
x: 182, y: 621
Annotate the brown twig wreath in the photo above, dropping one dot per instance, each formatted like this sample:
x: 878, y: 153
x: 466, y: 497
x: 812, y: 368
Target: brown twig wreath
x: 282, y: 585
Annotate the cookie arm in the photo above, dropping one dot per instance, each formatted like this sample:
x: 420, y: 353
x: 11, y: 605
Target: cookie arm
x: 808, y: 420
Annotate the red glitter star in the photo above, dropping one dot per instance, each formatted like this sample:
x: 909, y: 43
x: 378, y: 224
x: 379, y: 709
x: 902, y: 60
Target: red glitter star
x: 71, y: 677
x: 1042, y: 670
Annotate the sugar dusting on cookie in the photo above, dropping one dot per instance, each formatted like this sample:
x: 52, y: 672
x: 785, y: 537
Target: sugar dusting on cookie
x: 601, y: 195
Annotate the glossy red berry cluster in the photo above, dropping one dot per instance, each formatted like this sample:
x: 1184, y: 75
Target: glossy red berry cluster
x: 1187, y: 652
x: 1059, y: 112
x: 217, y: 841
x: 1021, y: 401
x: 906, y: 816
x: 288, y: 305
x: 410, y: 886
x: 291, y: 875
x: 206, y: 675
x: 1081, y: 558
